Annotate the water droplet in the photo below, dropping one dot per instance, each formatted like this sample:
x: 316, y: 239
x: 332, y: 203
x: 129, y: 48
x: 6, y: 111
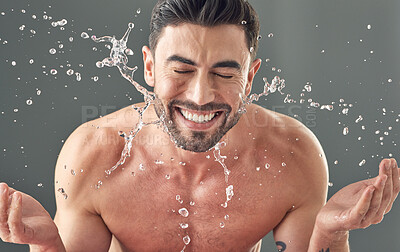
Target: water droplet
x: 62, y: 22
x: 34, y: 16
x: 183, y: 225
x: 70, y: 72
x: 128, y: 51
x: 78, y: 76
x: 141, y: 167
x: 15, y: 110
x: 192, y: 203
x: 345, y: 130
x: 71, y: 39
x: 52, y: 51
x: 222, y: 224
x: 167, y: 176
x: 267, y: 166
x: 158, y: 162
x: 369, y: 27
x: 186, y: 239
x: 53, y: 71
x: 99, y: 64
x: 29, y: 102
x: 95, y: 78
x: 22, y: 27
x: 362, y: 162
x: 38, y: 92
x: 13, y: 63
x: 244, y: 22
x: 98, y: 185
x: 327, y: 107
x: 84, y: 35
x: 283, y: 164
x: 360, y: 118
x: 73, y: 172
x: 62, y: 191
x: 31, y: 61
x: 251, y: 49
x: 184, y: 212
x: 138, y: 11
x: 307, y: 88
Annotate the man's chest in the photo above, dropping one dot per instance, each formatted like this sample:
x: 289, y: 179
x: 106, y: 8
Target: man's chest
x: 163, y: 214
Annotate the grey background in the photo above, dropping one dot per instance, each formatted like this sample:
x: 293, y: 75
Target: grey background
x: 313, y: 41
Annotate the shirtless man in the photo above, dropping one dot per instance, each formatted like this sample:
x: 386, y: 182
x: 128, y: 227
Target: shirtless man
x: 200, y: 64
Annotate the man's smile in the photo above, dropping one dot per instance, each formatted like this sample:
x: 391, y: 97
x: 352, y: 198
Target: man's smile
x: 198, y: 120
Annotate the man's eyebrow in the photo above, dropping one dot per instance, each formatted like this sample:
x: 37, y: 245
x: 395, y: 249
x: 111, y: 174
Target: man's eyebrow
x: 180, y: 59
x: 228, y: 63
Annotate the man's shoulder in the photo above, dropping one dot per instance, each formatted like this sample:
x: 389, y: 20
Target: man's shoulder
x: 274, y: 126
x: 103, y: 132
x: 96, y: 144
x: 289, y: 140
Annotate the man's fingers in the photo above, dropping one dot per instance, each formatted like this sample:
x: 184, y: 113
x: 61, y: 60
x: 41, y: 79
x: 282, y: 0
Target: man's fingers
x: 15, y: 218
x: 375, y: 205
x: 395, y: 184
x: 361, y: 208
x: 4, y: 230
x: 386, y: 168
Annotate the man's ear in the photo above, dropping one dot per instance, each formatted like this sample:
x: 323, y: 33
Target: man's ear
x: 148, y: 63
x: 252, y: 72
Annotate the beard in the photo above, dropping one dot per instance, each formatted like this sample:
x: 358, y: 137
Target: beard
x: 195, y: 141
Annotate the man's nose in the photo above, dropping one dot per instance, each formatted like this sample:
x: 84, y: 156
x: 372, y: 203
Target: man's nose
x: 201, y: 89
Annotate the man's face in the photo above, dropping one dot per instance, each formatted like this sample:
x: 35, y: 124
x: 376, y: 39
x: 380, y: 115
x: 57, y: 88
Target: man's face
x: 199, y: 75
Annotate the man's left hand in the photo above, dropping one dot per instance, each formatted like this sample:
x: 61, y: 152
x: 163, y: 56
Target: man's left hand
x: 361, y: 204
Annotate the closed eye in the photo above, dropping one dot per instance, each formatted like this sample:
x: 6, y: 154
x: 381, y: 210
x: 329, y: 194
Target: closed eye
x: 183, y: 72
x: 223, y: 76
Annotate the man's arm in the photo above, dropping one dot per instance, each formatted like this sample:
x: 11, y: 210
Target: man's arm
x: 308, y: 180
x: 80, y: 226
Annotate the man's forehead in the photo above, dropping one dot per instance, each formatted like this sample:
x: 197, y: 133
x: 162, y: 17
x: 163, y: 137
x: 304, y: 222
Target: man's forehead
x: 200, y: 42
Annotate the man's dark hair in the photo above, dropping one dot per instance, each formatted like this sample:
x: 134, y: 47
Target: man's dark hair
x: 206, y: 13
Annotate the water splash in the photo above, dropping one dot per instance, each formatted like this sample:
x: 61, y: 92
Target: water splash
x: 221, y: 159
x: 118, y: 58
x: 276, y: 84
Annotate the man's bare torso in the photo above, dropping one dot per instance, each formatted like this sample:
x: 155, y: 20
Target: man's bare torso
x: 139, y: 202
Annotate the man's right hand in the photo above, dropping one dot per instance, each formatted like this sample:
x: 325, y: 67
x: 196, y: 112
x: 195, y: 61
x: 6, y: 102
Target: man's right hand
x: 23, y: 220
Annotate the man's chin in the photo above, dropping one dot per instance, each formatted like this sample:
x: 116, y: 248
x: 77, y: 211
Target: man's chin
x: 198, y: 142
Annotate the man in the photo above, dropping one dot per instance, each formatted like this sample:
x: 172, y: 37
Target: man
x: 201, y: 62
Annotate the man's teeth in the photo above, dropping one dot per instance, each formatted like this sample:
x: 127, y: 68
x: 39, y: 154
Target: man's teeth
x: 197, y: 118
